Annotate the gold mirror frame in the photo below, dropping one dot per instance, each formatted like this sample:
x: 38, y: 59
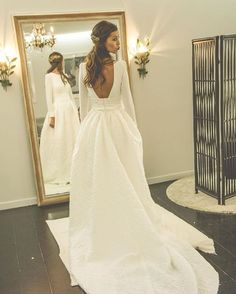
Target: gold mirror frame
x: 19, y: 20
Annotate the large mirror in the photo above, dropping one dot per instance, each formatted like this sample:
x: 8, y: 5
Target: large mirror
x: 37, y: 37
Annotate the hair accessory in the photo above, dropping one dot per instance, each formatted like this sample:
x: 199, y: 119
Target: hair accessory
x: 94, y: 38
x: 54, y: 57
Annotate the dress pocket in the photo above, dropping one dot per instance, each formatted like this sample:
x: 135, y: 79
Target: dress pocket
x: 131, y: 127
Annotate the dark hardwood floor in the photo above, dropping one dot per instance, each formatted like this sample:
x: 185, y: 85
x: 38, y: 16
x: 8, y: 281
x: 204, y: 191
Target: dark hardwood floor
x: 30, y: 264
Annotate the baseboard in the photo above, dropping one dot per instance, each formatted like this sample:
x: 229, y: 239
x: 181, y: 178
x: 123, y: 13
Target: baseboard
x: 18, y: 203
x: 151, y: 180
x: 169, y: 177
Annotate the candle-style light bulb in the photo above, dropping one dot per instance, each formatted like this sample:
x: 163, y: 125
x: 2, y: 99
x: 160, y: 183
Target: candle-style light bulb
x: 52, y: 30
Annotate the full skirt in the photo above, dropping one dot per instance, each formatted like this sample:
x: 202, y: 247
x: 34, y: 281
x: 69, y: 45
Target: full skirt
x: 117, y: 239
x: 57, y: 144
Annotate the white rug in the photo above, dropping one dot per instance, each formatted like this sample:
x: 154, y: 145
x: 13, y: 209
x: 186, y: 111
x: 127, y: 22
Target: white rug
x: 182, y: 192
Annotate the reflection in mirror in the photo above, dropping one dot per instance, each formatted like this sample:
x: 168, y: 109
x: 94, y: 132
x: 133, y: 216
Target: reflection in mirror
x: 55, y: 93
x: 51, y: 49
x: 60, y: 127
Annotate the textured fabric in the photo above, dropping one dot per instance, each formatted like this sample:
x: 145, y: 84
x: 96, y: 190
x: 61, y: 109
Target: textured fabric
x: 57, y: 144
x: 117, y: 239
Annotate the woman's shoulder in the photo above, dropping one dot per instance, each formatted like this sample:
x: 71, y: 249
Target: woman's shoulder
x: 122, y: 62
x: 82, y: 64
x: 50, y: 75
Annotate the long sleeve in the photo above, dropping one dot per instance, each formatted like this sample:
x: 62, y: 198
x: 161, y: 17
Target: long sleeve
x: 70, y: 92
x: 84, y: 102
x: 72, y: 98
x: 49, y: 95
x: 126, y: 95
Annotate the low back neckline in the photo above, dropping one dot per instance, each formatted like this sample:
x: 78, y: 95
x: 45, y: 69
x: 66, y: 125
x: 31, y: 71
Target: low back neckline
x: 114, y: 75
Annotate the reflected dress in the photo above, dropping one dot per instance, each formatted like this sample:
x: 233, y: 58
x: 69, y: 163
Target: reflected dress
x: 57, y: 144
x: 117, y: 240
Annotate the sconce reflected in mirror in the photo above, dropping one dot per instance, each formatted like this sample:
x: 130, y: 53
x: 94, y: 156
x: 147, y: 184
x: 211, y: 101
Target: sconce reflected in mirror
x: 141, y: 54
x: 6, y: 69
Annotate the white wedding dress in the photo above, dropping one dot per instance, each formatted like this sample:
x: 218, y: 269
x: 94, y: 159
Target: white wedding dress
x: 117, y: 240
x: 57, y: 144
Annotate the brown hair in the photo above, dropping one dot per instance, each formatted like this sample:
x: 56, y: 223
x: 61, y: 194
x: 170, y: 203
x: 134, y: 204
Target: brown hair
x: 55, y: 59
x: 94, y: 59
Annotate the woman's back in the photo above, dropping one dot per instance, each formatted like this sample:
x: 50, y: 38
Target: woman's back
x: 103, y: 90
x: 58, y: 89
x: 117, y: 89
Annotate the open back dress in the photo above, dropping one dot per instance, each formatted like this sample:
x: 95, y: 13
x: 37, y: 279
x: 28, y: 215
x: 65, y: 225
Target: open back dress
x: 117, y: 240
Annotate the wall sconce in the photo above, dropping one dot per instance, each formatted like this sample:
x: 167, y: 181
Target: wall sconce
x: 141, y: 55
x: 6, y: 69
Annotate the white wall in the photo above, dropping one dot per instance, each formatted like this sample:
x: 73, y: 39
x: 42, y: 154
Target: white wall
x: 163, y: 99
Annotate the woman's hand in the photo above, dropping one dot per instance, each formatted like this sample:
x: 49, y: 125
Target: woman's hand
x: 52, y: 122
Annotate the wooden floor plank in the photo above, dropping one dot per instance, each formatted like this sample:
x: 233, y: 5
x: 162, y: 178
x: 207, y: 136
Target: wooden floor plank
x: 10, y: 282
x: 29, y: 255
x: 33, y: 271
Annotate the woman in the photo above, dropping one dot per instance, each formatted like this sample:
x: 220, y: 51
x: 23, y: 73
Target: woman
x: 120, y: 240
x: 60, y: 126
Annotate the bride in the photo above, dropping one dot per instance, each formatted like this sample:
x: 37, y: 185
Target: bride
x: 60, y: 126
x: 119, y: 240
